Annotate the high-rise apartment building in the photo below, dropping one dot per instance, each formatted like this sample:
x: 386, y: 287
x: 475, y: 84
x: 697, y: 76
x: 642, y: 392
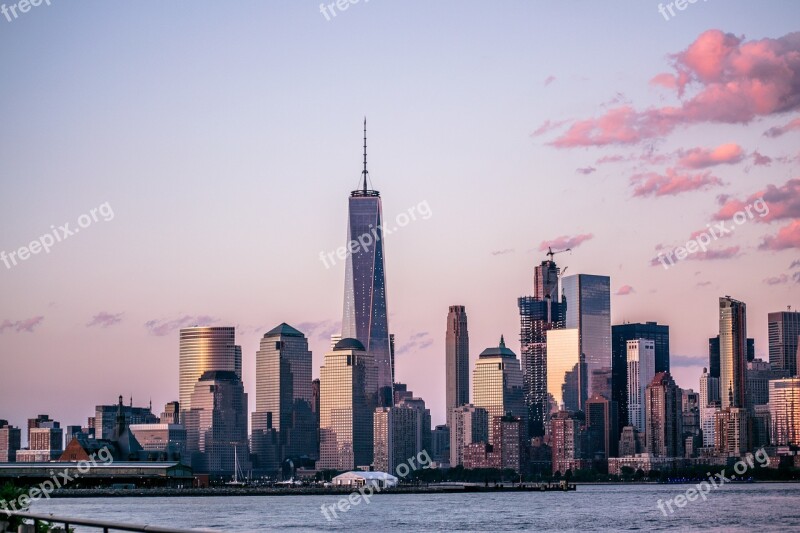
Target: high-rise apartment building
x: 664, y: 425
x: 283, y: 419
x: 346, y: 411
x: 396, y: 431
x: 468, y: 424
x: 457, y: 358
x: 497, y: 384
x: 733, y: 351
x: 588, y: 303
x: 784, y: 406
x: 365, y: 316
x: 641, y: 371
x: 784, y: 330
x: 566, y: 442
x: 10, y: 442
x: 758, y: 374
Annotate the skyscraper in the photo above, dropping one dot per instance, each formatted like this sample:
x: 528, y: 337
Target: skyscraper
x: 365, y: 316
x: 664, y: 425
x: 396, y: 430
x: 588, y: 301
x: 732, y: 351
x: 784, y: 330
x: 346, y: 413
x: 620, y: 335
x: 567, y: 379
x: 709, y: 399
x: 601, y: 425
x: 713, y: 357
x: 216, y: 425
x: 497, y: 384
x: 641, y: 371
x: 457, y: 357
x: 468, y: 424
x: 283, y: 396
x: 784, y: 406
x: 204, y: 349
x: 538, y: 314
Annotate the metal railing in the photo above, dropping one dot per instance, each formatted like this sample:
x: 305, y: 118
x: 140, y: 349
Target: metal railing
x: 105, y: 526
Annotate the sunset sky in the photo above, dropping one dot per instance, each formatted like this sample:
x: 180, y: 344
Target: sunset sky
x: 225, y: 139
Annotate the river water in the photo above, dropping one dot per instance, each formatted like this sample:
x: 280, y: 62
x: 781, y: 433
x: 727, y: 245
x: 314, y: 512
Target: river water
x: 744, y: 507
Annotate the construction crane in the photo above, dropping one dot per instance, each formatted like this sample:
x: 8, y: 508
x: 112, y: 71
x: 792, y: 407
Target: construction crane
x: 550, y: 253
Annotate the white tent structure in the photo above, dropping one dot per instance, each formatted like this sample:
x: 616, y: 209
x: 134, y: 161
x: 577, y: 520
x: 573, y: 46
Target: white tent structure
x: 379, y: 480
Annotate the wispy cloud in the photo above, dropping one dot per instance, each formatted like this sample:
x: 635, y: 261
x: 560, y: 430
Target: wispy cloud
x: 162, y: 327
x: 672, y: 183
x: 777, y: 280
x: 565, y: 241
x: 698, y: 158
x: 585, y: 170
x: 684, y: 361
x: 321, y: 330
x: 549, y: 79
x: 503, y: 252
x: 625, y: 290
x: 104, y: 319
x: 417, y: 341
x: 777, y: 131
x: 21, y: 326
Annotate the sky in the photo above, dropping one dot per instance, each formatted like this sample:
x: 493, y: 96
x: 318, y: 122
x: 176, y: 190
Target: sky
x: 217, y: 145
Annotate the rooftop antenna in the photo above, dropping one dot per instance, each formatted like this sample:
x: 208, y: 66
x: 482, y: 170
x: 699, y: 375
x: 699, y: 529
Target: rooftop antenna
x: 364, y: 172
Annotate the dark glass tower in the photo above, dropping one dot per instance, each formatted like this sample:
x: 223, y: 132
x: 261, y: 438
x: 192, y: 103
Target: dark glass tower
x: 365, y: 317
x: 784, y: 330
x: 457, y: 357
x: 538, y: 314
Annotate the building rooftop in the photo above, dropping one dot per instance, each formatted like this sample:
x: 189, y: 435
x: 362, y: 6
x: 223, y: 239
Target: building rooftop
x: 499, y: 351
x: 284, y: 330
x: 349, y: 344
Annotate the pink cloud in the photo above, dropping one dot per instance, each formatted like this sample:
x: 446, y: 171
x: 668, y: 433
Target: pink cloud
x: 104, y: 319
x: 586, y: 170
x: 22, y: 326
x: 563, y: 242
x: 783, y: 202
x: 698, y: 158
x: 546, y: 126
x: 736, y: 82
x: 625, y: 290
x: 787, y: 237
x: 160, y: 328
x: 550, y: 79
x: 761, y: 160
x: 672, y: 183
x: 610, y: 159
x: 786, y: 128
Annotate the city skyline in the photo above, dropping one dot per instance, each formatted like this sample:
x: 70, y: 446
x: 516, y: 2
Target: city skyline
x: 135, y: 279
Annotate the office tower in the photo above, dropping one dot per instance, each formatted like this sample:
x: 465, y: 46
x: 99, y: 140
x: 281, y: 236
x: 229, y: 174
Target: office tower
x: 567, y: 380
x: 588, y: 302
x: 630, y: 442
x: 401, y: 392
x: 600, y: 382
x: 620, y: 335
x: 709, y: 389
x: 105, y: 418
x: 457, y: 358
x: 732, y: 351
x: 731, y: 432
x: 690, y: 409
x: 10, y: 442
x: 468, y: 424
x: 757, y: 377
x: 167, y: 439
x: 440, y: 444
x: 538, y: 313
x: 41, y: 421
x: 205, y: 349
x: 713, y: 357
x: 396, y: 430
x: 641, y: 370
x: 784, y: 330
x: 216, y: 425
x: 784, y: 406
x: 761, y: 426
x: 497, y: 384
x: 171, y: 414
x: 283, y: 398
x: 315, y: 407
x: 391, y: 353
x: 365, y: 316
x: 70, y: 431
x: 751, y: 349
x: 663, y: 428
x: 423, y: 436
x: 346, y: 413
x: 565, y: 442
x: 601, y: 425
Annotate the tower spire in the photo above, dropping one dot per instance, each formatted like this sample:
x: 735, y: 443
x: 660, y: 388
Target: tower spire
x: 364, y: 172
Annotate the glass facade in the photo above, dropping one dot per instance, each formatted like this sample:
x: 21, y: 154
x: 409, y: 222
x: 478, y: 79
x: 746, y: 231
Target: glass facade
x: 588, y: 302
x: 567, y: 377
x: 457, y: 357
x: 364, y: 316
x: 784, y: 330
x: 346, y: 414
x: 641, y: 371
x: 732, y: 352
x: 784, y: 406
x: 497, y: 384
x: 204, y: 349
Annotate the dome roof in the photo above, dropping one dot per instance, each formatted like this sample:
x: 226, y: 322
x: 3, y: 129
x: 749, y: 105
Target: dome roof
x: 349, y: 344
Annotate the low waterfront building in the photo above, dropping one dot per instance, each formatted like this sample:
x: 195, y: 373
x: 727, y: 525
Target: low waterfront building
x: 88, y: 475
x: 358, y: 479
